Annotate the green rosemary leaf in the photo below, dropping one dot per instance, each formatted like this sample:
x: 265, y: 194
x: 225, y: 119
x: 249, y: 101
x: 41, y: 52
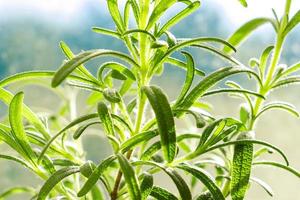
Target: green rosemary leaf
x: 81, y: 129
x: 294, y: 68
x: 263, y: 184
x: 15, y: 159
x: 146, y: 185
x: 241, y: 167
x: 165, y: 120
x: 244, y: 31
x: 180, y: 64
x: 16, y: 190
x: 264, y: 59
x: 178, y: 17
x: 130, y: 177
x: 70, y: 125
x: 295, y: 20
x: 205, y: 178
x: 279, y: 105
x: 210, y: 81
x: 287, y: 81
x: 190, y: 66
x: 158, y: 11
x: 137, y: 139
x: 117, y: 67
x: 180, y: 183
x: 94, y: 177
x: 278, y: 165
x: 105, y: 118
x: 113, y: 8
x: 106, y: 32
x: 54, y: 179
x: 87, y: 168
x: 7, y: 97
x: 111, y: 95
x: 200, y: 122
x: 16, y: 123
x: 162, y: 194
x: 132, y: 31
x: 248, y: 142
x: 68, y: 67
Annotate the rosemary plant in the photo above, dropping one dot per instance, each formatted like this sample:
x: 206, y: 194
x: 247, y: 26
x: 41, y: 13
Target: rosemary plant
x: 138, y: 118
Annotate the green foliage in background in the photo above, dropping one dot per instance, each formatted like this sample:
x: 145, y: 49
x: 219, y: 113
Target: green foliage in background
x: 139, y: 120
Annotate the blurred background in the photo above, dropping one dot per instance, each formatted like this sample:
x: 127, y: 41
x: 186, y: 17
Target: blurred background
x: 31, y: 30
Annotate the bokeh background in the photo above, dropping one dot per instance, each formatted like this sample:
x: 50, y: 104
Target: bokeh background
x: 31, y: 30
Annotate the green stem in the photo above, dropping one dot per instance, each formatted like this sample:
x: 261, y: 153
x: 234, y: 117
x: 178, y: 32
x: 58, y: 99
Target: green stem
x: 265, y: 89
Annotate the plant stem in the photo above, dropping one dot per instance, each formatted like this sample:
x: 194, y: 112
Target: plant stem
x: 265, y: 89
x: 114, y: 193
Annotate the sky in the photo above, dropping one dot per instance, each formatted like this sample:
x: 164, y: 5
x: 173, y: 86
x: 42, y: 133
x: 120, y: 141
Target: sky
x: 66, y: 10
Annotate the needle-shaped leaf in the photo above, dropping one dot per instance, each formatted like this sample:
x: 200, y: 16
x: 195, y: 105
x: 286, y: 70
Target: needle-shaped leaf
x: 68, y: 67
x: 180, y: 183
x: 54, y: 179
x: 137, y: 139
x: 106, y: 32
x: 107, y: 122
x: 126, y: 15
x: 212, y: 130
x: 81, y: 129
x: 35, y: 76
x: 87, y: 168
x: 15, y: 159
x: 94, y: 177
x: 210, y: 81
x: 263, y: 184
x: 279, y: 105
x: 6, y: 136
x: 69, y: 54
x: 183, y: 65
x: 6, y: 97
x: 264, y: 59
x: 247, y: 141
x: 278, y: 165
x: 205, y: 178
x: 130, y: 177
x: 105, y: 118
x: 200, y: 121
x: 241, y: 167
x: 16, y: 123
x: 165, y: 120
x: 111, y: 95
x: 191, y: 42
x: 158, y: 11
x: 162, y: 194
x: 132, y: 31
x: 190, y: 66
x: 115, y: 14
x: 205, y: 196
x: 70, y: 125
x: 181, y: 15
x: 135, y: 10
x: 146, y: 185
x: 244, y: 31
x: 295, y: 20
x: 287, y: 81
x: 118, y: 67
x: 238, y: 91
x: 16, y: 190
x: 294, y: 68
